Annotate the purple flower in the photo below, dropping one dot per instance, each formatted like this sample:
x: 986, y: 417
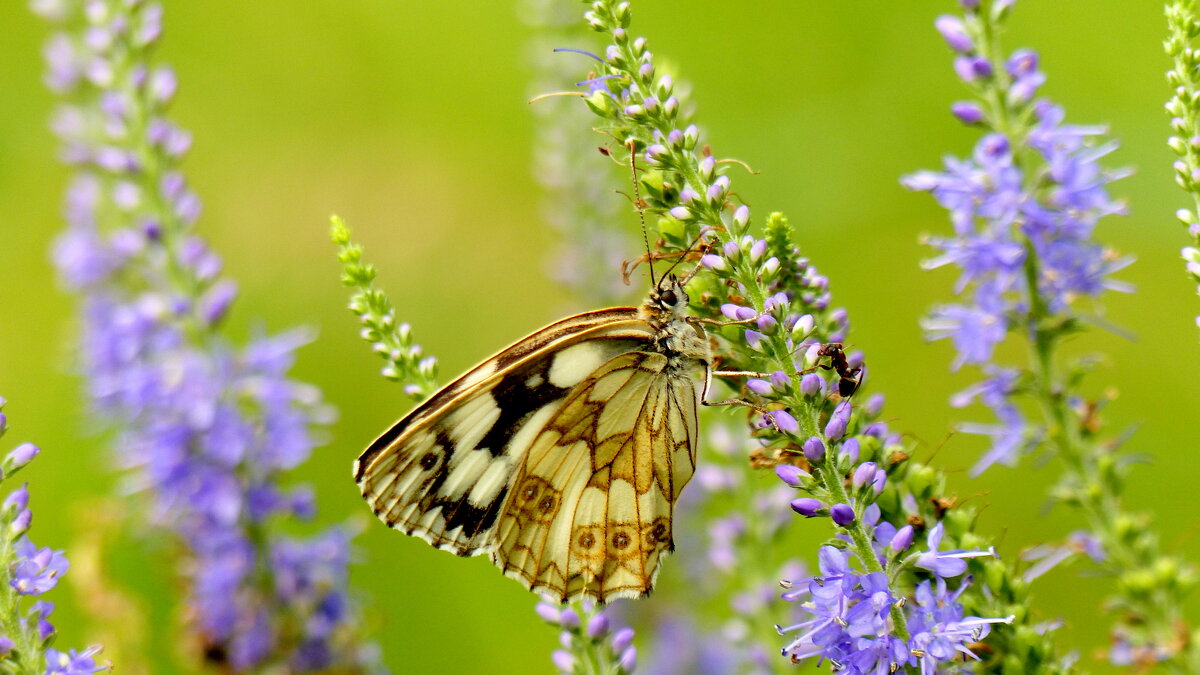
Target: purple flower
x: 940, y: 632
x: 945, y: 563
x: 205, y: 426
x: 589, y: 637
x: 72, y: 662
x: 36, y: 570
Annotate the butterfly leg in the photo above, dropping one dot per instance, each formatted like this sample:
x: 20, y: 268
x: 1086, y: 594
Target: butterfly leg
x: 718, y: 322
x: 745, y: 404
x: 739, y: 373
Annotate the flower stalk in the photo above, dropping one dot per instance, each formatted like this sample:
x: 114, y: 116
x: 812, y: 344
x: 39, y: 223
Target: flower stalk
x: 206, y: 429
x: 770, y: 311
x: 1024, y: 208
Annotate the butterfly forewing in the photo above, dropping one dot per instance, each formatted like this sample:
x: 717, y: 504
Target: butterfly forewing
x: 443, y: 471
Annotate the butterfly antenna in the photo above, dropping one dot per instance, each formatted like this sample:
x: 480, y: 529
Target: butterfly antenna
x: 688, y: 277
x: 637, y: 203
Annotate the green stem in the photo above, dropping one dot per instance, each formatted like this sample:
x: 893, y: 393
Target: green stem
x: 859, y: 537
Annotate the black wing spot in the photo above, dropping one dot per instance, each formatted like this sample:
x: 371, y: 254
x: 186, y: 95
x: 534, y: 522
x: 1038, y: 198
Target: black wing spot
x: 518, y: 401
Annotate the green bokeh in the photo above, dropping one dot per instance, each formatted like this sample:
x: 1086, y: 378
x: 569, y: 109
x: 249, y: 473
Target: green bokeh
x: 411, y: 120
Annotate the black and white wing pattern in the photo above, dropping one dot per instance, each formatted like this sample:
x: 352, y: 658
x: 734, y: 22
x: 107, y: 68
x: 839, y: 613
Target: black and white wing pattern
x: 561, y: 456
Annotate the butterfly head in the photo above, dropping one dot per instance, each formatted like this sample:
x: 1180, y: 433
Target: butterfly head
x: 667, y: 298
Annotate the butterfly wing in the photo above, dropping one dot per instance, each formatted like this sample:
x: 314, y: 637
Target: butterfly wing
x: 444, y: 471
x: 591, y: 509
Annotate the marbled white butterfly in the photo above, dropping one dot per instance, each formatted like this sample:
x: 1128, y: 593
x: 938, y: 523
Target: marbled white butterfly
x: 561, y: 456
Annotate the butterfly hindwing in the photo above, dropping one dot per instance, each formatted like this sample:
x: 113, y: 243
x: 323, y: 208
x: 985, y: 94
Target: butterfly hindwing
x: 444, y: 471
x: 592, y: 506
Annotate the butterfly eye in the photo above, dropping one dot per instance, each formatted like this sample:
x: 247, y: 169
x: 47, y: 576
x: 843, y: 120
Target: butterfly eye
x: 669, y: 298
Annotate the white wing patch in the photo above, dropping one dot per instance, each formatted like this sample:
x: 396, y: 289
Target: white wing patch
x: 494, y: 479
x: 576, y: 362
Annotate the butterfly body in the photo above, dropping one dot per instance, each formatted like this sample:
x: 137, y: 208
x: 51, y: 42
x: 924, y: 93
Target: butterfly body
x: 561, y: 456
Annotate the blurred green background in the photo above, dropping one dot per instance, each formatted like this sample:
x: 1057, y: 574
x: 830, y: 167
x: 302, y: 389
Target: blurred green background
x: 411, y: 120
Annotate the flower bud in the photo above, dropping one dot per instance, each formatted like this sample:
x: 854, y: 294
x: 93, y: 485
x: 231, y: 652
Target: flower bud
x: 812, y: 384
x: 835, y: 429
x: 758, y: 249
x: 954, y: 32
x: 967, y: 113
x: 20, y: 524
x: 622, y: 639
x: 741, y: 217
x: 785, y: 422
x: 863, y: 474
x: 563, y: 660
x: 19, y: 457
x: 806, y: 506
x: 597, y: 626
x: 902, y: 539
x: 760, y: 387
x: 814, y: 449
x: 549, y: 613
x: 879, y: 481
x: 842, y: 514
x: 850, y: 449
x: 790, y: 474
x: 17, y: 500
x: 804, y: 326
x: 628, y: 659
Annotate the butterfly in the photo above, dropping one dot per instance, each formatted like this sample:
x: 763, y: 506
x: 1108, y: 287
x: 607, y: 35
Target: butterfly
x: 562, y: 456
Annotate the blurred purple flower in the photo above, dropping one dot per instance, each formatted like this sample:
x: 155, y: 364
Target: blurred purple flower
x: 206, y: 427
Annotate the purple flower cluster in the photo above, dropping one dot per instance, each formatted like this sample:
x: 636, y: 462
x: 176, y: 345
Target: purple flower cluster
x: 850, y: 616
x: 206, y: 428
x: 1024, y: 207
x: 589, y: 639
x: 30, y: 572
